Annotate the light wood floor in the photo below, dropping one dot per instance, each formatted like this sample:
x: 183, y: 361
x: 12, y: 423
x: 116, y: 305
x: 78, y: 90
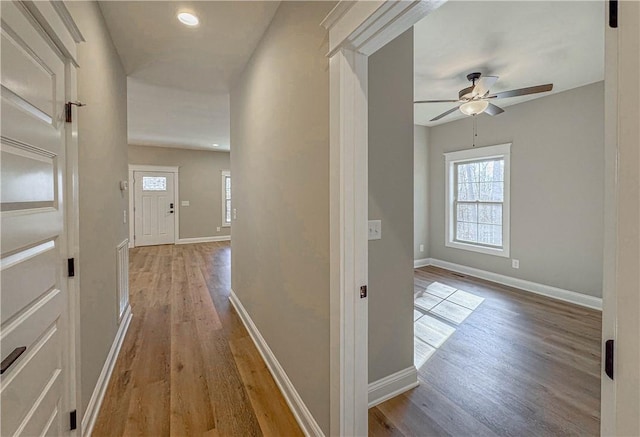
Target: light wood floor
x: 188, y: 366
x: 519, y: 365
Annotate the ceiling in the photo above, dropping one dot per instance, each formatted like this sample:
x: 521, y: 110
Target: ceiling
x: 179, y: 77
x: 171, y: 117
x: 524, y: 43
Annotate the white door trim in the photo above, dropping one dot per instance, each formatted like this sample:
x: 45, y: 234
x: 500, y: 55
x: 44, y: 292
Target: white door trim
x: 159, y: 168
x: 620, y: 398
x: 73, y: 245
x: 356, y: 30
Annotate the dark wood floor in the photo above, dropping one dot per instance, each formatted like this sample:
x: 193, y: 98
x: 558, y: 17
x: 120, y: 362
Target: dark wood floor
x: 519, y: 365
x: 188, y: 366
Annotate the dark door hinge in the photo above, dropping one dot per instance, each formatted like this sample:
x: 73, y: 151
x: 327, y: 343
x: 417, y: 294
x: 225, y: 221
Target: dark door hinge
x: 613, y: 14
x: 67, y: 110
x: 73, y: 420
x: 363, y: 292
x: 71, y: 267
x: 608, y: 358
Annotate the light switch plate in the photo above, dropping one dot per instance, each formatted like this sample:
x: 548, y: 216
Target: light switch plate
x: 184, y: 203
x: 375, y: 229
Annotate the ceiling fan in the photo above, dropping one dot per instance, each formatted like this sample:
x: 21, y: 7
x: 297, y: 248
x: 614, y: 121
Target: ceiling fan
x: 476, y: 98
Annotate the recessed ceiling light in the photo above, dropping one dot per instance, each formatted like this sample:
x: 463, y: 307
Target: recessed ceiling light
x: 216, y: 145
x: 188, y: 19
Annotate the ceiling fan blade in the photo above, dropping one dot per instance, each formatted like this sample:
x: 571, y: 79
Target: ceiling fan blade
x: 483, y: 85
x: 523, y: 91
x: 493, y: 109
x: 444, y: 114
x: 436, y: 101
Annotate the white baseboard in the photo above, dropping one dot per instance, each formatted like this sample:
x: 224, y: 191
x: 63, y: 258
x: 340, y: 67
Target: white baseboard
x: 93, y: 408
x: 421, y: 263
x: 302, y: 414
x: 392, y: 385
x: 583, y: 300
x: 203, y: 239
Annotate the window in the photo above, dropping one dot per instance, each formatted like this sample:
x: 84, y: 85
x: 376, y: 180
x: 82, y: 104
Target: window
x: 477, y: 214
x: 226, y: 198
x: 154, y: 183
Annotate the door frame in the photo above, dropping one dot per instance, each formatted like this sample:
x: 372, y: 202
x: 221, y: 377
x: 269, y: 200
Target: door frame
x: 132, y: 194
x: 356, y: 30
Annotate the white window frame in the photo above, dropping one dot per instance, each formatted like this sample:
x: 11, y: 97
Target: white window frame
x: 479, y: 153
x: 225, y: 223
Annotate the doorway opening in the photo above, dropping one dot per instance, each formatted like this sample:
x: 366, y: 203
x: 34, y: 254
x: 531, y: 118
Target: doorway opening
x: 357, y: 33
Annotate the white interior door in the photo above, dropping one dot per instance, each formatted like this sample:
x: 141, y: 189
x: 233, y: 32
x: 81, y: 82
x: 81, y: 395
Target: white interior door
x: 154, y: 208
x: 34, y: 316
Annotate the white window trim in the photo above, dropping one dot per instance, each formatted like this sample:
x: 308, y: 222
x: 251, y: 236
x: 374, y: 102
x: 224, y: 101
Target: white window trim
x: 452, y: 158
x: 224, y: 174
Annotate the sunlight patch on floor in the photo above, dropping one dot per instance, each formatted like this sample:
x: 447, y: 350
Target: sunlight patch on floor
x: 437, y: 310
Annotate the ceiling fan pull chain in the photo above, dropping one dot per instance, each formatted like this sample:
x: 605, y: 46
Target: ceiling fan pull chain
x: 475, y: 130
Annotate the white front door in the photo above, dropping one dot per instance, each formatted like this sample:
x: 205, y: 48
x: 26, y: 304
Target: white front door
x: 154, y: 208
x: 34, y: 342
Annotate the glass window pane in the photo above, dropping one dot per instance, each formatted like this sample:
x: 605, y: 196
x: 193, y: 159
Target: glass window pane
x: 467, y: 213
x: 154, y: 183
x: 467, y: 172
x: 490, y: 214
x: 491, y: 171
x: 490, y: 234
x: 468, y: 192
x: 491, y: 191
x: 467, y: 232
x: 227, y: 187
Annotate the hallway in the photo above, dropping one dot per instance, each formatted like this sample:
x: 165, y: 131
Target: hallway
x: 187, y: 365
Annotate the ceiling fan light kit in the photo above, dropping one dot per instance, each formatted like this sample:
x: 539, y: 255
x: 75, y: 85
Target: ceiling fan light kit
x: 474, y: 100
x: 474, y: 107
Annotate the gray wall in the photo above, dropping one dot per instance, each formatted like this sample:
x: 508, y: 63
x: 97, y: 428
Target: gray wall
x: 557, y: 188
x: 102, y: 164
x: 280, y: 166
x: 391, y: 200
x: 200, y: 184
x: 420, y: 191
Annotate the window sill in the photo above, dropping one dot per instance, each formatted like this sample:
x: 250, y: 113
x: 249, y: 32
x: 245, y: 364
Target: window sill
x: 504, y: 252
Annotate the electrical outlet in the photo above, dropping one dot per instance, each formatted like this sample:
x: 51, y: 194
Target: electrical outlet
x: 218, y: 229
x: 375, y: 229
x: 422, y: 248
x: 515, y: 263
x: 235, y: 213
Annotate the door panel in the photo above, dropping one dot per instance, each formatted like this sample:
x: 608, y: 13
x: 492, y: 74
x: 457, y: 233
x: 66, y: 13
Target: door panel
x: 36, y: 370
x: 149, y: 216
x: 34, y: 297
x: 154, y: 203
x: 21, y: 288
x: 163, y: 205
